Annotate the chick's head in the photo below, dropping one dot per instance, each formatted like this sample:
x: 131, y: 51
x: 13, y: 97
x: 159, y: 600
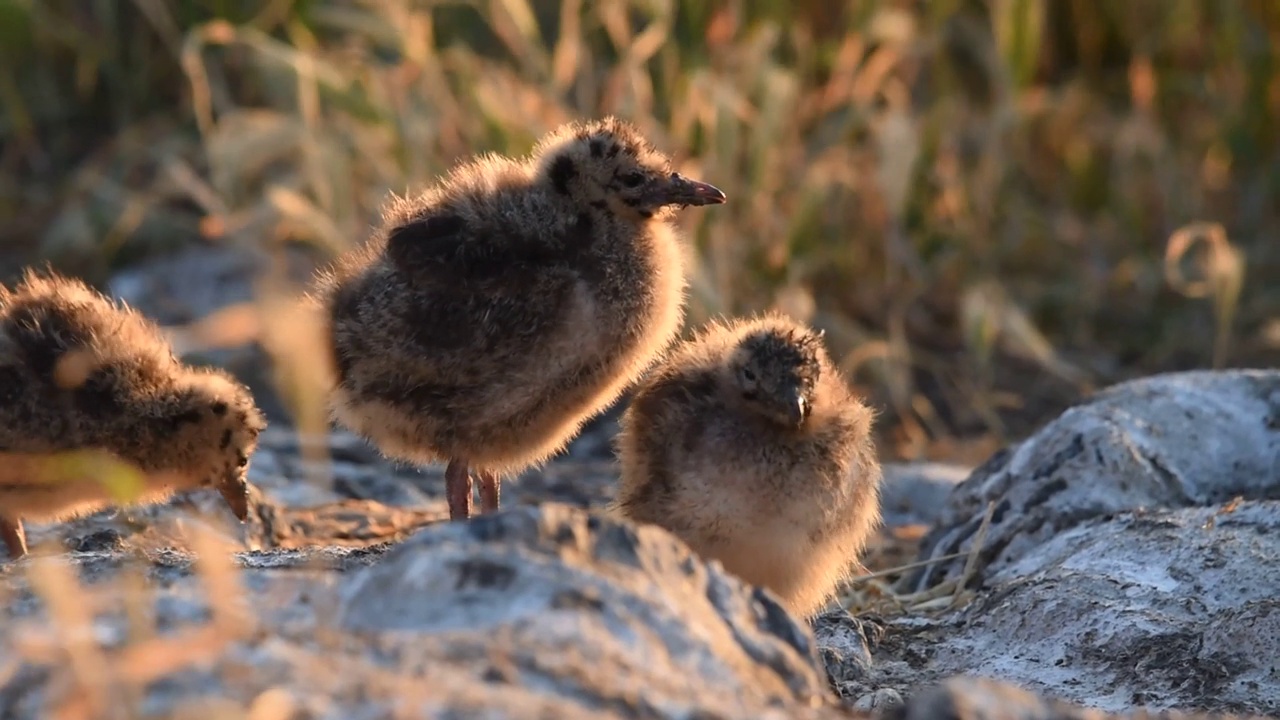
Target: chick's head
x: 607, y: 165
x: 774, y: 373
x: 220, y: 427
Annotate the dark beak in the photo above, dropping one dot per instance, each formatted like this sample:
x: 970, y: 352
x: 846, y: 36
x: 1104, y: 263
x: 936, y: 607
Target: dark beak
x: 680, y: 190
x: 236, y: 492
x: 797, y: 408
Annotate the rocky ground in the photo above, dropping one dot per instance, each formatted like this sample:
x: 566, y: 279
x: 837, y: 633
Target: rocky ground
x: 1125, y: 559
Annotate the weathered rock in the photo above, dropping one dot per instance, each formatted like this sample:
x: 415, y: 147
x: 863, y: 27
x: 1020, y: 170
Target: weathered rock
x: 551, y: 612
x: 1117, y: 570
x: 625, y: 617
x: 966, y: 698
x: 845, y: 648
x: 534, y: 612
x: 1166, y: 609
x: 1178, y: 440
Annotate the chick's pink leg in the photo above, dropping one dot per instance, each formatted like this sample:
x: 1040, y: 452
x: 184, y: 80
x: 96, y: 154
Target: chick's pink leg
x: 457, y: 488
x: 14, y: 537
x: 490, y: 489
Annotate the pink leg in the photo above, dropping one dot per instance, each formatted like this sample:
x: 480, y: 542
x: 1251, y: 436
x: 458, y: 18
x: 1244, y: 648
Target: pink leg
x: 457, y: 488
x: 14, y: 537
x: 490, y: 490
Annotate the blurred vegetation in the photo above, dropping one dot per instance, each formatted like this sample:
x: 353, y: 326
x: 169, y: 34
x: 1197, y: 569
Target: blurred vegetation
x: 989, y: 205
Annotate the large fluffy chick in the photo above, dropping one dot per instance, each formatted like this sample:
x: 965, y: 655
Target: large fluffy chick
x: 748, y: 444
x: 491, y: 315
x: 80, y: 372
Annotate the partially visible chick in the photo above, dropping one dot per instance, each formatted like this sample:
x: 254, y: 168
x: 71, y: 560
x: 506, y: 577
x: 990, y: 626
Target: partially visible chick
x: 79, y: 372
x: 491, y: 315
x: 748, y: 444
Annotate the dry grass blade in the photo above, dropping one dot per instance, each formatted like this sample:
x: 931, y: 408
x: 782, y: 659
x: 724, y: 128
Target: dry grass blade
x: 161, y: 18
x: 219, y: 33
x: 992, y: 320
x: 123, y: 481
x: 567, y: 56
x: 216, y: 567
x: 72, y: 614
x: 1019, y: 27
x: 946, y: 596
x: 149, y: 656
x: 195, y: 187
x: 144, y: 662
x: 514, y: 22
x: 649, y: 41
x: 1223, y: 268
x: 293, y: 334
x: 975, y: 554
x: 139, y: 612
x: 307, y: 220
x: 898, y: 570
x: 230, y: 326
x: 273, y: 704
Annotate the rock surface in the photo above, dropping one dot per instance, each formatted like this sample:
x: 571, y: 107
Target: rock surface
x: 979, y: 699
x: 1165, y: 609
x: 1133, y: 558
x: 535, y: 612
x: 1191, y: 439
x: 546, y: 612
x: 530, y: 596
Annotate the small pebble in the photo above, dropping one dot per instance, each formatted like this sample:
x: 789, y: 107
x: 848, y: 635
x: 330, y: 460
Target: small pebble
x: 879, y: 700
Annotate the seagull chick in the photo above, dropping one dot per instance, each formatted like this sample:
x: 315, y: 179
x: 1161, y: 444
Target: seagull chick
x: 493, y: 314
x: 79, y: 372
x: 748, y: 444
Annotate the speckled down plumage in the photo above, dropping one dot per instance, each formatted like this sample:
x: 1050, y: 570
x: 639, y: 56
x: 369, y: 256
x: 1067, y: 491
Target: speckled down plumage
x: 81, y: 373
x: 488, y: 317
x: 748, y: 444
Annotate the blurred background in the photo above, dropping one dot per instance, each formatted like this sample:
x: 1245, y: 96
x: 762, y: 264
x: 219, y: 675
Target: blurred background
x: 994, y: 207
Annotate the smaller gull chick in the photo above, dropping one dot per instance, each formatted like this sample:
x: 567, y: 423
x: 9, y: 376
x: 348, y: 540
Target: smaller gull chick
x: 748, y: 445
x: 79, y: 372
x: 492, y: 314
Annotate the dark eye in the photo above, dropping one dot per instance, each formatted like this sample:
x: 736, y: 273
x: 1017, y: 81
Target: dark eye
x: 633, y: 179
x: 748, y: 375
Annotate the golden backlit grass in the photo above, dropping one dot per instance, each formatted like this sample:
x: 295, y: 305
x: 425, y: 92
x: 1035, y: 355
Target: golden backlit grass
x: 976, y: 199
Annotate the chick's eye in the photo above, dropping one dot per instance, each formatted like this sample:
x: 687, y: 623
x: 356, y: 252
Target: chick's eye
x: 748, y: 375
x: 633, y: 179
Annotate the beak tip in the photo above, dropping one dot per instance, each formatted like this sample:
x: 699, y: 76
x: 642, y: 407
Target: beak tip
x: 800, y: 412
x: 237, y: 497
x: 699, y: 193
